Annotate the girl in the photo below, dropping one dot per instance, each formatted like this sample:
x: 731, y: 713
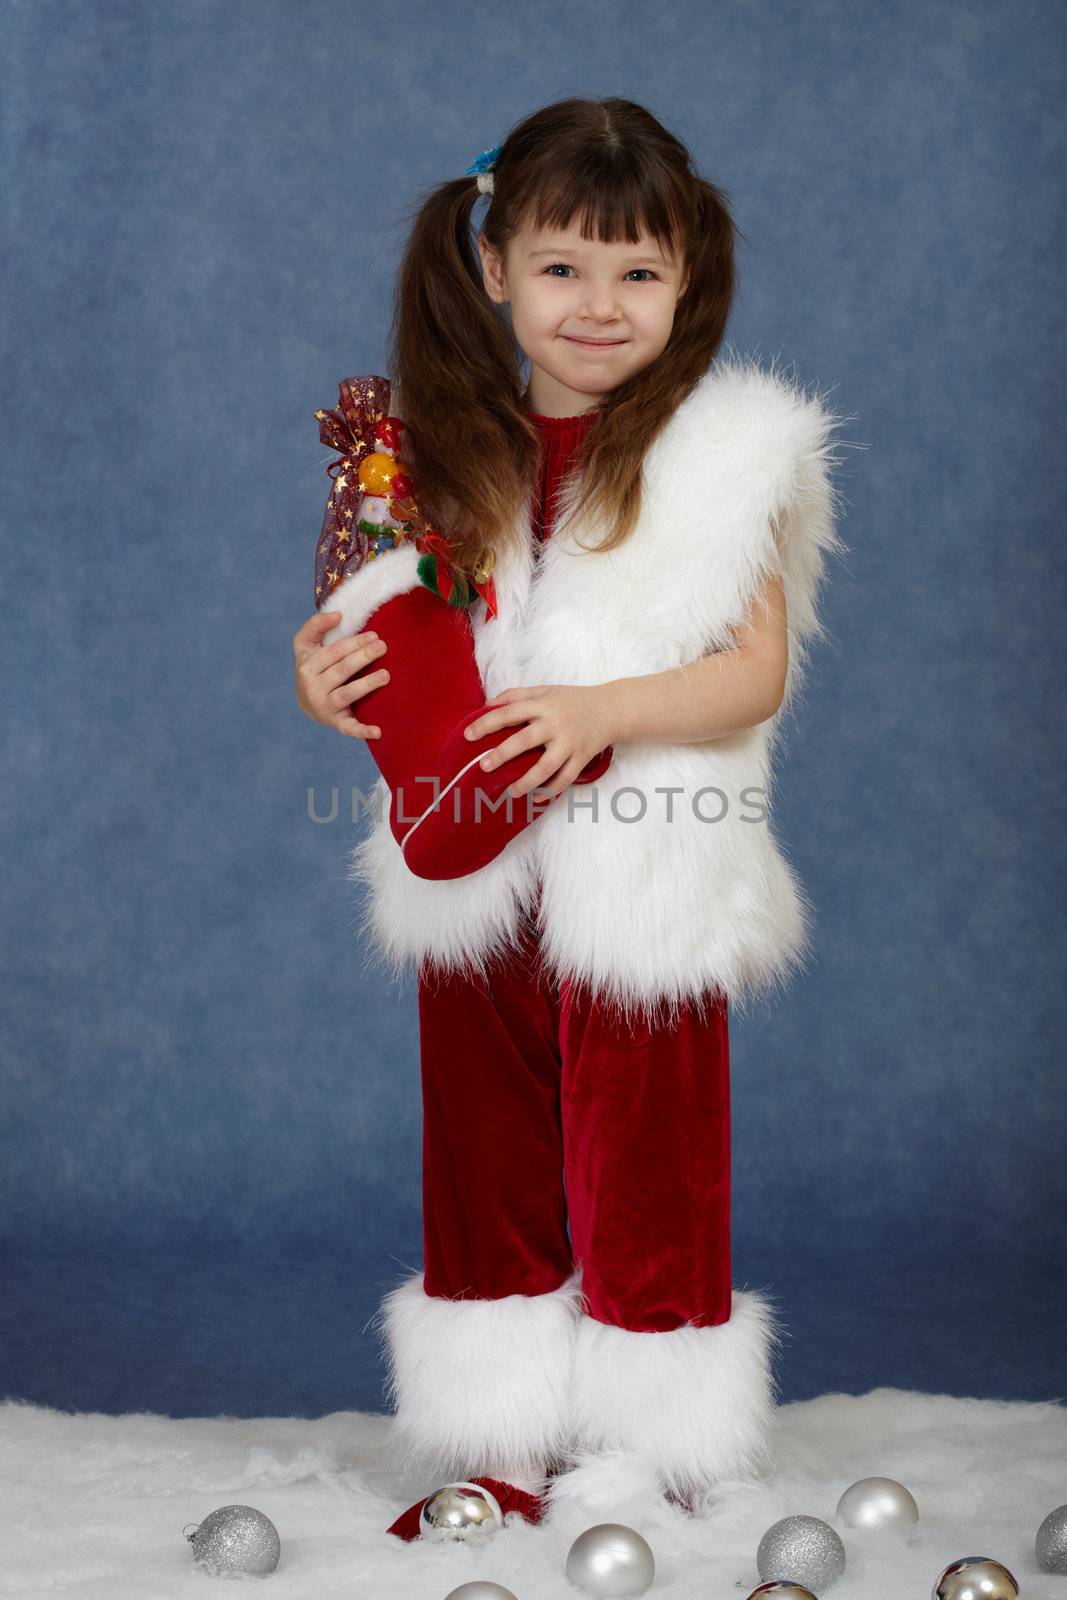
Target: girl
x: 655, y: 520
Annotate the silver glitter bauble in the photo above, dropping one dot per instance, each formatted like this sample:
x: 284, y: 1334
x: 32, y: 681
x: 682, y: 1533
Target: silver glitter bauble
x: 466, y: 1511
x: 975, y: 1578
x: 1050, y: 1546
x: 611, y: 1559
x: 877, y: 1503
x: 236, y: 1539
x: 802, y: 1550
x: 480, y: 1589
x: 783, y: 1591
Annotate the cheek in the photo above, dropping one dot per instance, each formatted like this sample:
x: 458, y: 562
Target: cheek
x: 655, y: 325
x: 534, y: 319
x: 656, y: 312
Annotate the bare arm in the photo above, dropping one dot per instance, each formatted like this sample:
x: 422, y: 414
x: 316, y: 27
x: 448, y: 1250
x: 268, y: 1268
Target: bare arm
x: 715, y: 696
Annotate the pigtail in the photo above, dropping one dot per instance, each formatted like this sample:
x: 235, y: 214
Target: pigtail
x: 453, y: 364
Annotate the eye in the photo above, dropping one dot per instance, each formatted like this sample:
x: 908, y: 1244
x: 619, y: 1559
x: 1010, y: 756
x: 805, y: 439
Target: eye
x: 565, y: 268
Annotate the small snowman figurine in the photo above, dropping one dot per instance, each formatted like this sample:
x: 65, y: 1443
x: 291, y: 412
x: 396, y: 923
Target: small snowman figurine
x: 384, y: 515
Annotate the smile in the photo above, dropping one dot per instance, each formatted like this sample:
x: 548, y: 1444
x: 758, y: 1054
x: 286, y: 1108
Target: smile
x: 595, y: 344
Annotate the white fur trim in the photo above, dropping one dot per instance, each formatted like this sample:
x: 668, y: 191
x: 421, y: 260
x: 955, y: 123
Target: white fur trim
x: 615, y: 1486
x: 461, y: 925
x: 804, y: 523
x: 480, y: 1387
x: 356, y: 597
x: 698, y: 1403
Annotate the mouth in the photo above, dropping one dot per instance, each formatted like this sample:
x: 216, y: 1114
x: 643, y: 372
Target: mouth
x: 595, y: 344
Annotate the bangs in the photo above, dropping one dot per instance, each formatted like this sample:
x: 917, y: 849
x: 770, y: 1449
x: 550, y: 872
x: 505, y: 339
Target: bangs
x: 611, y: 200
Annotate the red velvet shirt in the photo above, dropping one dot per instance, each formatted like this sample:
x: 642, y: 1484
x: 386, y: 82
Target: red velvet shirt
x: 560, y: 438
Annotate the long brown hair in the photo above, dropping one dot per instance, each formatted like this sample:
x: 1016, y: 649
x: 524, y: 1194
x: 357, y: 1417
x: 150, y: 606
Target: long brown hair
x: 455, y: 362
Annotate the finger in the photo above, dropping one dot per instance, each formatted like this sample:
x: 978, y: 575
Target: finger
x: 321, y: 622
x: 531, y: 781
x: 308, y: 645
x: 528, y: 739
x: 484, y: 724
x: 503, y: 717
x: 352, y: 728
x: 349, y: 693
x: 527, y: 692
x: 354, y: 639
x: 344, y: 649
x: 547, y: 776
x: 311, y: 631
x: 565, y: 777
x: 341, y: 650
x: 340, y: 668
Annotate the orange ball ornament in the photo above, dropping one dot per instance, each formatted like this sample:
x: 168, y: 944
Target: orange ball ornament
x: 377, y: 471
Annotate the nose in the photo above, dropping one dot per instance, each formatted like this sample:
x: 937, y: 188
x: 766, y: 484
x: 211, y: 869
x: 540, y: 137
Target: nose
x: 598, y: 317
x: 599, y: 304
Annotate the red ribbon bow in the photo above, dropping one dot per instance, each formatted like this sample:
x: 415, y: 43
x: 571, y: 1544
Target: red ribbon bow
x: 342, y: 548
x: 350, y: 428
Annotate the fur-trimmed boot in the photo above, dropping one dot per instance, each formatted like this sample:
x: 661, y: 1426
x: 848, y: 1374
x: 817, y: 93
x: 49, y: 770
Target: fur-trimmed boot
x: 660, y: 1419
x: 480, y: 1390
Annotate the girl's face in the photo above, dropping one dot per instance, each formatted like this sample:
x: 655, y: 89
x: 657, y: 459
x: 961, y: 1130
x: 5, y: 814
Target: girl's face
x: 589, y: 315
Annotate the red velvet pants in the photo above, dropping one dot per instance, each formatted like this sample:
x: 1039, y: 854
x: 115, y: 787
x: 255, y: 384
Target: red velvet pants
x: 539, y: 1108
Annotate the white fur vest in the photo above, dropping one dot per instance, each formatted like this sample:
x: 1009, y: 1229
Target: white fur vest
x: 663, y: 880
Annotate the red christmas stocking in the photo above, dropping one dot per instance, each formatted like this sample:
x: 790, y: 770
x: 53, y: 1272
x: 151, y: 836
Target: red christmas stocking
x: 449, y: 815
x: 377, y: 564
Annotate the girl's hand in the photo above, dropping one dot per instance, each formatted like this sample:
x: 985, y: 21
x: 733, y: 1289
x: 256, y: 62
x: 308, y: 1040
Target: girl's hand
x: 325, y: 686
x: 573, y: 722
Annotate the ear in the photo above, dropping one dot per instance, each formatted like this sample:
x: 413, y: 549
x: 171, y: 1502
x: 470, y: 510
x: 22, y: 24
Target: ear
x: 492, y: 270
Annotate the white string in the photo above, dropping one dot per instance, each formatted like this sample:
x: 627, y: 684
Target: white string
x: 436, y: 802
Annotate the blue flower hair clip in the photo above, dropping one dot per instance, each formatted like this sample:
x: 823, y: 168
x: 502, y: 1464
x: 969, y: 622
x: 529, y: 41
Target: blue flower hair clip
x: 483, y: 165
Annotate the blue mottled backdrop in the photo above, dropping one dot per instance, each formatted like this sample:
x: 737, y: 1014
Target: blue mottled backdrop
x: 210, y: 1138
